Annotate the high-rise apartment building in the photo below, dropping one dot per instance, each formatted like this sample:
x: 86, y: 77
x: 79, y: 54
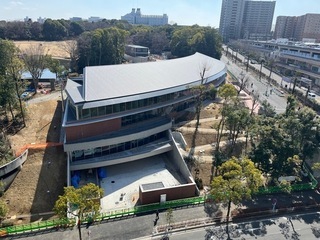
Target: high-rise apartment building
x: 285, y: 27
x: 135, y: 17
x: 246, y: 19
x: 231, y: 19
x: 257, y: 19
x: 298, y: 28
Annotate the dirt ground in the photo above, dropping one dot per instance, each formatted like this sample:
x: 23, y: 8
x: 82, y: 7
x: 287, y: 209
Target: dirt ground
x: 38, y: 184
x: 204, y: 160
x: 54, y: 48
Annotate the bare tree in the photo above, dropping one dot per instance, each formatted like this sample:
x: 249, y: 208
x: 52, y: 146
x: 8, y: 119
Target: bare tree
x: 71, y: 47
x: 255, y: 102
x: 243, y: 81
x: 199, y: 92
x: 35, y: 61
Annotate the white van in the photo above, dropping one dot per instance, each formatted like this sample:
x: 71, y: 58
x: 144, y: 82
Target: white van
x: 311, y: 95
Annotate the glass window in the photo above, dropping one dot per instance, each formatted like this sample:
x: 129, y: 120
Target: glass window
x: 122, y: 107
x: 128, y: 105
x: 85, y: 113
x: 135, y: 104
x: 109, y: 109
x: 105, y: 149
x: 101, y: 111
x: 116, y: 108
x: 94, y: 112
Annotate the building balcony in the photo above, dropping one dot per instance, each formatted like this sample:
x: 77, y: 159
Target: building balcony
x: 300, y: 57
x: 99, y: 160
x: 301, y: 69
x: 128, y: 133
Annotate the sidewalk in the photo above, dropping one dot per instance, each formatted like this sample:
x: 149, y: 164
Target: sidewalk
x: 259, y: 206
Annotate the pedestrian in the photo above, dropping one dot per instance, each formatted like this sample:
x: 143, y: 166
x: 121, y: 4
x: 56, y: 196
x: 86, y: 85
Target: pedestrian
x: 157, y: 214
x: 155, y: 222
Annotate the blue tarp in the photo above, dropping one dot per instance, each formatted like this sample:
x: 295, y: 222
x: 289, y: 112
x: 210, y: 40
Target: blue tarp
x: 75, y: 180
x: 102, y: 173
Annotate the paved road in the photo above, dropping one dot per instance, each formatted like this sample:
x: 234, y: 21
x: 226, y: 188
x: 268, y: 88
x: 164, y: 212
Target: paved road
x: 260, y: 87
x: 302, y: 226
x: 266, y: 72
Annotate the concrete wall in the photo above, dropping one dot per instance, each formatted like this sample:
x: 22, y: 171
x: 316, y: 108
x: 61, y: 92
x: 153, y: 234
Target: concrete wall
x: 176, y: 158
x: 178, y: 137
x: 173, y: 193
x: 9, y: 167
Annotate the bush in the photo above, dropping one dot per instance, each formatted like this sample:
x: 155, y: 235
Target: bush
x: 7, y: 223
x: 199, y: 183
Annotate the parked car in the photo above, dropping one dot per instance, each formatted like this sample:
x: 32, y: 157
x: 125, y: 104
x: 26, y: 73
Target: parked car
x: 312, y: 95
x: 26, y: 95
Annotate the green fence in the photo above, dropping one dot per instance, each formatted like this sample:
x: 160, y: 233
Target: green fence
x: 42, y: 225
x: 294, y: 187
x: 36, y: 226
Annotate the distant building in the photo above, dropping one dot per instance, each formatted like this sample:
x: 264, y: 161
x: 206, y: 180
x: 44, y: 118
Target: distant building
x: 94, y: 19
x: 246, y: 19
x: 257, y: 20
x: 292, y: 58
x: 75, y: 19
x: 285, y: 27
x: 135, y: 53
x: 27, y: 19
x: 230, y: 19
x: 298, y: 28
x: 41, y: 20
x: 135, y: 17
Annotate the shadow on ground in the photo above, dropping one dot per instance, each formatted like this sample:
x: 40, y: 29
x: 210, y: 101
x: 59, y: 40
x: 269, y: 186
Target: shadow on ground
x: 53, y: 173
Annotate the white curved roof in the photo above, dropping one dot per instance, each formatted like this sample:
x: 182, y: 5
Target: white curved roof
x: 127, y: 80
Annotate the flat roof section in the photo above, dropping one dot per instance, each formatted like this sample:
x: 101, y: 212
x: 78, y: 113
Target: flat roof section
x: 152, y: 186
x: 121, y: 186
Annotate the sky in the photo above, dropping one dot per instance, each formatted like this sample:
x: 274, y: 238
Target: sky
x: 182, y: 12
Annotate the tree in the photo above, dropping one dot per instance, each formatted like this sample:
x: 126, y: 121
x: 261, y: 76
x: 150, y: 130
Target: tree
x: 54, y: 30
x: 11, y: 68
x: 71, y: 47
x: 75, y: 29
x: 199, y: 92
x: 35, y: 61
x: 169, y: 217
x: 55, y: 66
x: 78, y: 202
x: 237, y: 180
x: 266, y: 109
x: 227, y: 91
x: 243, y: 81
x: 3, y: 209
x: 101, y: 47
x: 291, y: 105
x: 237, y: 119
x: 186, y: 41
